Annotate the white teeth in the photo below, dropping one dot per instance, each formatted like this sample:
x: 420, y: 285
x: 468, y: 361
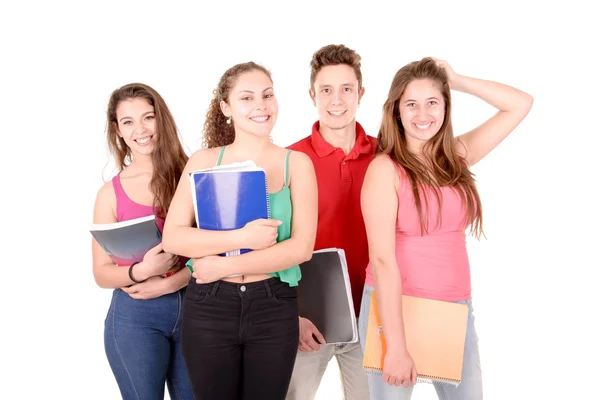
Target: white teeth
x: 337, y: 112
x: 144, y: 140
x: 423, y: 126
x: 260, y: 119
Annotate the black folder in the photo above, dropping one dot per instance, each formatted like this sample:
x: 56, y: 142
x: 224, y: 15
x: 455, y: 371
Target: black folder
x: 325, y: 296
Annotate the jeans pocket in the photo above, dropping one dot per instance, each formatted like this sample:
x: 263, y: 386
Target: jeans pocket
x: 196, y: 294
x: 285, y: 294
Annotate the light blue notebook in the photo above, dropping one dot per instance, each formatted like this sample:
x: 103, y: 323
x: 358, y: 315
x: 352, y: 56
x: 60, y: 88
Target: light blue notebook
x: 128, y: 241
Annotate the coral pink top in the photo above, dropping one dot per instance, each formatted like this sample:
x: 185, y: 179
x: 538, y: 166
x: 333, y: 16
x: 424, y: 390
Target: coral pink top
x: 435, y: 265
x: 128, y: 209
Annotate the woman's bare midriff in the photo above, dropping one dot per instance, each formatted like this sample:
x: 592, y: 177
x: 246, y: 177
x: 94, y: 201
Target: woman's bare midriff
x: 247, y: 278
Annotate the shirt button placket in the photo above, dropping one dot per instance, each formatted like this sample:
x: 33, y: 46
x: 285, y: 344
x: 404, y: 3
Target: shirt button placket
x: 346, y: 177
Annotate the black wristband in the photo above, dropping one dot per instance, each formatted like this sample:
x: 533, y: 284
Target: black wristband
x: 131, y: 276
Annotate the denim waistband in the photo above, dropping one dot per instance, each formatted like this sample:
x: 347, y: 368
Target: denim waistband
x: 469, y: 301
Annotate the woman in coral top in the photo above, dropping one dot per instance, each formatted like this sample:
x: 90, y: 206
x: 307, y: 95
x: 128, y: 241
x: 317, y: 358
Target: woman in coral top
x: 418, y: 199
x: 142, y: 332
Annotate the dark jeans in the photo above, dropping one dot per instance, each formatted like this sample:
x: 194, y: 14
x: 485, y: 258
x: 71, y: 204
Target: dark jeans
x: 142, y: 339
x: 239, y: 341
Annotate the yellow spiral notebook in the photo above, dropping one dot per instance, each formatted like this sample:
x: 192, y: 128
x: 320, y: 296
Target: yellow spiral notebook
x: 435, y: 338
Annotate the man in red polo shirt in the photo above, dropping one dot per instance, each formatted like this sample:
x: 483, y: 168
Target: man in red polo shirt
x: 341, y: 152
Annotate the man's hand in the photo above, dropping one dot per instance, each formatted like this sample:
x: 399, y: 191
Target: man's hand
x: 308, y: 333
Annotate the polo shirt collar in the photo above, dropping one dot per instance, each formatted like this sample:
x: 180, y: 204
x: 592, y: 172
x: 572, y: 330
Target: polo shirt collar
x: 362, y: 146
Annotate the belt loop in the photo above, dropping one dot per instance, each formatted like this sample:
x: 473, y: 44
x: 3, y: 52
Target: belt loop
x: 215, y: 288
x: 268, y: 287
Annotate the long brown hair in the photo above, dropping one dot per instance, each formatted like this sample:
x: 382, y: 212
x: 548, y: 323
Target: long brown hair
x: 442, y: 165
x: 168, y: 156
x: 217, y: 132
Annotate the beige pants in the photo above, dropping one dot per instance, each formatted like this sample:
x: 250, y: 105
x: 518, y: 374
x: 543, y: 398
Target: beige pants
x: 310, y: 367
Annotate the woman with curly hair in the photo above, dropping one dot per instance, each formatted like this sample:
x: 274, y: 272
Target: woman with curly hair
x: 240, y: 333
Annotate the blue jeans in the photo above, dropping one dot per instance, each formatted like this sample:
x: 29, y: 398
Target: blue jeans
x: 470, y: 387
x: 142, y: 339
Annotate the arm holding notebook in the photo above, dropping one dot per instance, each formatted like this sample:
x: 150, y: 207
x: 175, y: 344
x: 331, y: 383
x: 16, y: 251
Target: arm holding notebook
x: 181, y: 237
x: 110, y: 275
x: 379, y: 203
x: 293, y: 251
x: 157, y: 286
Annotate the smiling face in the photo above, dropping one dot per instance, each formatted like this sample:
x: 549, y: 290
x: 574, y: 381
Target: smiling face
x: 336, y: 95
x: 422, y: 111
x: 136, y: 124
x: 251, y: 104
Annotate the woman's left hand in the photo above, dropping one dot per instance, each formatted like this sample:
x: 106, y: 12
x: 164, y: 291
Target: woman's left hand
x: 151, y: 288
x: 209, y: 269
x: 452, y: 76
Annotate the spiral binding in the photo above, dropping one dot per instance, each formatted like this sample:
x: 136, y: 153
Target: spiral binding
x: 420, y: 378
x: 267, y: 194
x: 437, y: 379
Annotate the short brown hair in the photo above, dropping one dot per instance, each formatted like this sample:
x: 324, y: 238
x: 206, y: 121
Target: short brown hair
x: 334, y: 54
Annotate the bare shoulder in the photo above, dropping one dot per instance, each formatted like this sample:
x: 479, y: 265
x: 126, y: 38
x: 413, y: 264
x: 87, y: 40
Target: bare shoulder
x: 300, y: 164
x: 381, y: 163
x: 382, y: 172
x: 301, y: 168
x: 302, y: 160
x: 106, y: 204
x: 106, y: 194
x: 203, y: 158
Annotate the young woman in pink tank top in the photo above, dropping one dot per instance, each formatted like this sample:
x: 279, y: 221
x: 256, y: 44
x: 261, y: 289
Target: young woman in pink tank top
x: 142, y: 328
x: 418, y: 198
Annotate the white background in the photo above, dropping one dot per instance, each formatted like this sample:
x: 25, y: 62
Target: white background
x: 534, y: 279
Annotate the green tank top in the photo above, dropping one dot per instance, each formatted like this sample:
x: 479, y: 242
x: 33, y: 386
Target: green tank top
x: 280, y: 205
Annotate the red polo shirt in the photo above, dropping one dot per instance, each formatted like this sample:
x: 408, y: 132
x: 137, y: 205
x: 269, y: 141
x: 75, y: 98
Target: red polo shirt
x: 339, y: 179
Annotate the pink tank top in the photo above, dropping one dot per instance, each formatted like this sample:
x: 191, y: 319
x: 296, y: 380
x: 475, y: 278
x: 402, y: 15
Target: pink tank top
x: 435, y: 265
x: 128, y: 209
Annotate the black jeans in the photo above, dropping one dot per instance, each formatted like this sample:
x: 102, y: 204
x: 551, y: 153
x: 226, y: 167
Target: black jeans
x: 239, y: 341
